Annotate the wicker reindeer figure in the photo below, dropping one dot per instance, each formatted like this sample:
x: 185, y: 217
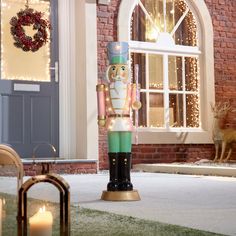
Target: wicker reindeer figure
x: 222, y: 137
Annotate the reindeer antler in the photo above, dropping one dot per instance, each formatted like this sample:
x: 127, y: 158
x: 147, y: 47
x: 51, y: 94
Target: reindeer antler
x: 221, y: 108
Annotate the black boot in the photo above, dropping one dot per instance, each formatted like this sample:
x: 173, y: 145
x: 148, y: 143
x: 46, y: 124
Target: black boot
x: 124, y: 171
x: 113, y: 170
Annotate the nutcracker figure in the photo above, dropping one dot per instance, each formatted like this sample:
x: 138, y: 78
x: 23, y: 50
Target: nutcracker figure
x: 116, y: 97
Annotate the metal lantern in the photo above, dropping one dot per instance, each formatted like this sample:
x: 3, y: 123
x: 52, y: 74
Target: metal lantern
x: 39, y: 218
x: 63, y: 188
x: 9, y: 157
x: 46, y: 164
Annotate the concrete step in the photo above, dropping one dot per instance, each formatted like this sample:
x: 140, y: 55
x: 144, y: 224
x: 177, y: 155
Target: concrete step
x: 192, y: 169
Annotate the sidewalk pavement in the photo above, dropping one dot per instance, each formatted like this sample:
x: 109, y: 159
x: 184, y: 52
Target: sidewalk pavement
x: 200, y: 202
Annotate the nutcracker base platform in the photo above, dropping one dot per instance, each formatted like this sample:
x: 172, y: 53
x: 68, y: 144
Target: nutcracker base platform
x: 120, y: 196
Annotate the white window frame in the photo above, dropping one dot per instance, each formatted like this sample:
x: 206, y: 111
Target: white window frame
x: 206, y: 58
x: 166, y: 93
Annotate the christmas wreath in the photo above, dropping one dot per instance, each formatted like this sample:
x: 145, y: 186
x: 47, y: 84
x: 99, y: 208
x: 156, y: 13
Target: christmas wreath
x: 29, y: 17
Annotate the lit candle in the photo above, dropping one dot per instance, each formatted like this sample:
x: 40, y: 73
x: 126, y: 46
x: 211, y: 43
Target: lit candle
x: 41, y: 223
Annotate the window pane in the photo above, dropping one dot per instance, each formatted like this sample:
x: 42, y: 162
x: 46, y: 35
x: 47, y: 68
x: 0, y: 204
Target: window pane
x: 143, y: 110
x: 176, y: 110
x: 191, y: 74
x: 186, y: 34
x: 175, y: 73
x: 156, y: 110
x: 170, y: 15
x: 15, y: 61
x: 192, y: 110
x: 155, y: 71
x: 155, y: 10
x: 144, y: 29
x: 140, y: 60
x: 138, y: 22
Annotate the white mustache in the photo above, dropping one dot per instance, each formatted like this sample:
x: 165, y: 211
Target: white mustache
x: 118, y: 78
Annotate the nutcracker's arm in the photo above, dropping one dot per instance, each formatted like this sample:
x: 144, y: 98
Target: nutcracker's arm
x: 101, y: 102
x: 136, y: 104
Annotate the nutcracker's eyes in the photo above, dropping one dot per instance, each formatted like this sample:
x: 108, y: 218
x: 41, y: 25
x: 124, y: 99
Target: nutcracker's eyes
x: 113, y: 68
x: 123, y: 68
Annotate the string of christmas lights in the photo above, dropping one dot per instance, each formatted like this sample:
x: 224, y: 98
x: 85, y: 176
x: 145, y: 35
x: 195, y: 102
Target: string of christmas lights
x: 10, y: 5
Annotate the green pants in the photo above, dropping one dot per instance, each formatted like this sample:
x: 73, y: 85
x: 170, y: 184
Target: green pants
x: 119, y: 141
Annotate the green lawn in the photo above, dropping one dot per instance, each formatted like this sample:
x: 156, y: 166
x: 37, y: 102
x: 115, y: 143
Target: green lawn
x: 86, y: 222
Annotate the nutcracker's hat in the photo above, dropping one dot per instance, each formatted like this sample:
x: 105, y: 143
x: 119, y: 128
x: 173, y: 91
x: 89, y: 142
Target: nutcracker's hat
x: 117, y: 52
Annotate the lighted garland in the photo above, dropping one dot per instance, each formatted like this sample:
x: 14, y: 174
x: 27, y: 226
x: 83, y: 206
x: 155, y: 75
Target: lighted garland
x: 29, y: 17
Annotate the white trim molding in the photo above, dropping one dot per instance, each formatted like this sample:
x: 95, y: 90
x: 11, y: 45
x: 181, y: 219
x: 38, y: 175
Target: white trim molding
x: 66, y: 81
x: 146, y: 47
x: 78, y: 78
x: 205, y: 51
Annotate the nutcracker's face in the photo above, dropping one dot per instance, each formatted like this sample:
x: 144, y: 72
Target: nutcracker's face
x: 118, y: 72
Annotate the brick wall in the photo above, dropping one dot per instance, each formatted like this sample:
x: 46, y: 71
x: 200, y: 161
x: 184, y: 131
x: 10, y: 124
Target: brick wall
x: 223, y: 13
x: 31, y: 169
x: 106, y: 31
x: 63, y: 168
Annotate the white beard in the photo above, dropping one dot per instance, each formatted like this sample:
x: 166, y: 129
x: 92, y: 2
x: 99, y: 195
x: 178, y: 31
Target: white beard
x: 118, y: 94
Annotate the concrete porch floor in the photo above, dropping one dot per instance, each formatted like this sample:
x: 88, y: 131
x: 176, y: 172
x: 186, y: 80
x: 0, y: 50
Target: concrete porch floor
x: 201, y: 202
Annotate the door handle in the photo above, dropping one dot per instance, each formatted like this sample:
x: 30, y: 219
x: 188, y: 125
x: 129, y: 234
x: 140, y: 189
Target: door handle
x: 56, y: 69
